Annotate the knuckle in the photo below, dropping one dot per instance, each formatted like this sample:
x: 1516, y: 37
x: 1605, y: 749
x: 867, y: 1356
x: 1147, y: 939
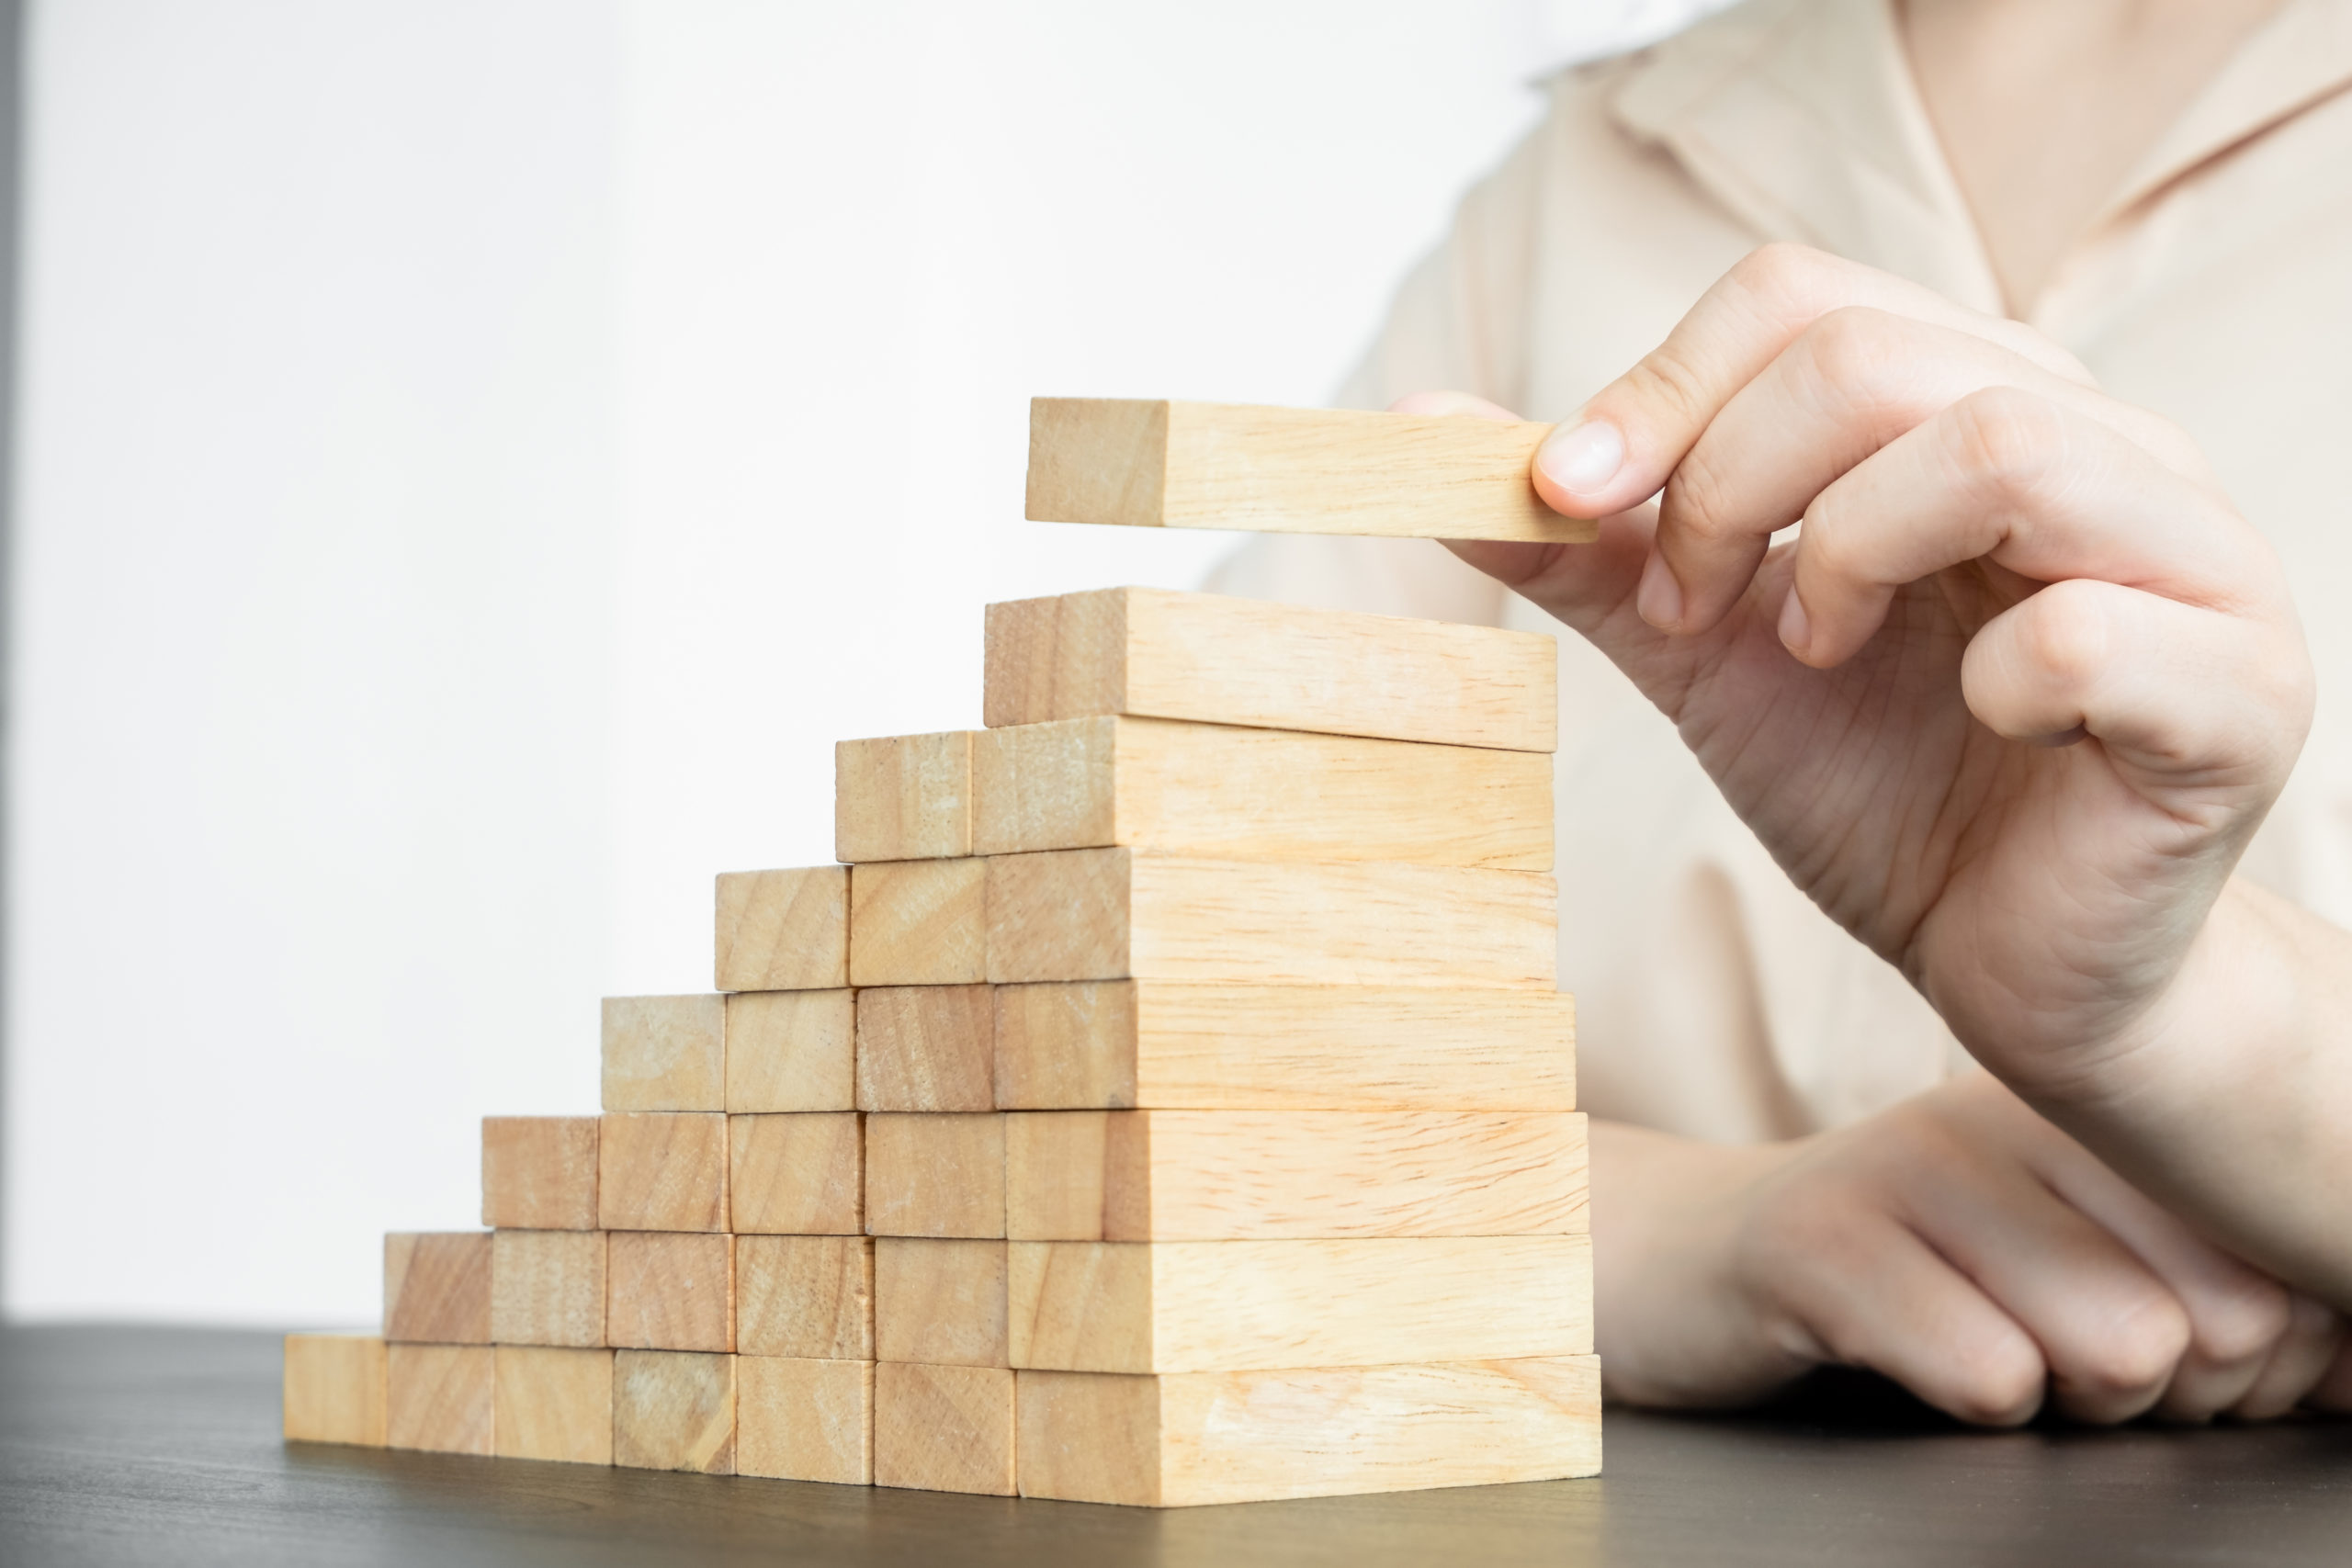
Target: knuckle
x: 2004, y: 441
x: 1861, y: 353
x: 2142, y: 1345
x: 2065, y: 636
x: 2244, y: 1322
x: 1782, y: 271
x: 1670, y: 379
x: 1699, y: 501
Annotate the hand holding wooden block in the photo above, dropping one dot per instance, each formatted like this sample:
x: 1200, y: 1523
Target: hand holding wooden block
x: 789, y: 1050
x: 662, y: 1171
x: 436, y: 1287
x: 669, y: 1291
x: 665, y: 1052
x: 903, y: 797
x: 940, y: 1175
x: 674, y: 1411
x: 805, y: 1420
x: 538, y: 1173
x: 802, y: 1174
x: 918, y: 922
x: 784, y: 930
x: 805, y: 1297
x: 944, y: 1428
x: 334, y: 1389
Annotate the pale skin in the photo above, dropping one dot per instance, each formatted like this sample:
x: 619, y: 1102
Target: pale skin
x: 2008, y: 708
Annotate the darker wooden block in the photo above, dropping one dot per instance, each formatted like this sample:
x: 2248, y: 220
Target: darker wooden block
x: 796, y: 1175
x: 436, y: 1287
x: 538, y: 1173
x: 440, y: 1397
x: 805, y: 1297
x: 672, y: 1411
x: 667, y: 1290
x: 926, y: 1048
x: 658, y: 1171
x: 944, y: 1428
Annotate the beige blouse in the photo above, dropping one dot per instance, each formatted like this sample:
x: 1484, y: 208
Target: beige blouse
x: 2216, y: 288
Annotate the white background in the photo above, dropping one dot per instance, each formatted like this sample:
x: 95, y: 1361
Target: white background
x: 476, y: 456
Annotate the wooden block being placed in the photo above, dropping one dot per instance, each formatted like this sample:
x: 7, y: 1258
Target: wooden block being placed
x: 1225, y: 793
x: 784, y: 930
x: 791, y: 1051
x: 674, y: 1412
x: 802, y: 1174
x: 1157, y: 654
x: 925, y: 1048
x: 555, y: 1404
x: 436, y: 1287
x: 547, y: 1287
x: 1264, y: 1175
x: 440, y: 1397
x: 1192, y: 1438
x: 662, y: 1171
x: 665, y: 1052
x: 666, y: 1292
x: 1211, y: 1307
x: 903, y: 797
x: 334, y: 1389
x: 944, y: 1302
x: 539, y: 1172
x: 805, y: 1297
x: 918, y: 922
x: 1115, y: 914
x: 935, y: 1175
x: 1123, y: 1045
x: 805, y: 1420
x: 944, y: 1428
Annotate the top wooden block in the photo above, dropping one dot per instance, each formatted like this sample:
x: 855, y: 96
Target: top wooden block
x: 1152, y: 653
x: 1170, y: 465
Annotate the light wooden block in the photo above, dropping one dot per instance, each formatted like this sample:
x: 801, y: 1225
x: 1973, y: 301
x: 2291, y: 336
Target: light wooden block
x: 669, y: 1291
x: 440, y: 1397
x: 784, y: 930
x: 1115, y: 914
x: 547, y: 1287
x: 944, y: 1428
x: 539, y: 1172
x: 1208, y: 1306
x: 805, y: 1297
x: 660, y: 1171
x: 665, y: 1052
x: 1157, y: 654
x: 798, y: 1174
x: 903, y: 797
x: 943, y: 1301
x: 926, y: 1048
x: 436, y: 1287
x: 1191, y: 1438
x: 805, y: 1420
x: 334, y: 1389
x: 555, y: 1404
x: 1266, y: 1175
x: 674, y: 1411
x: 791, y: 1051
x: 1286, y: 471
x: 937, y: 1175
x: 1125, y: 1044
x: 918, y: 922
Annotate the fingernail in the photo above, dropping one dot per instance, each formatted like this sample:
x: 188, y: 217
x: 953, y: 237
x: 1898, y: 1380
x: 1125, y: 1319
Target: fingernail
x: 1660, y: 600
x: 1582, y: 458
x: 1796, y: 627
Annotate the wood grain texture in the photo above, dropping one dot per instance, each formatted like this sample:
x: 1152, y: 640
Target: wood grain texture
x: 539, y: 1172
x: 784, y: 930
x: 1194, y: 1438
x: 799, y: 1174
x: 791, y: 1051
x: 926, y: 1048
x: 547, y: 1287
x: 805, y: 1297
x: 805, y: 1420
x: 436, y: 1287
x: 935, y: 1175
x: 669, y: 1291
x: 1286, y: 470
x: 674, y: 1411
x: 1157, y: 654
x: 334, y: 1389
x: 554, y: 1404
x: 442, y: 1398
x: 665, y: 1052
x: 1125, y: 1044
x: 918, y: 922
x: 940, y: 1301
x: 944, y: 1428
x: 1222, y: 792
x: 1193, y: 1306
x: 661, y: 1171
x: 903, y: 797
x: 1113, y: 914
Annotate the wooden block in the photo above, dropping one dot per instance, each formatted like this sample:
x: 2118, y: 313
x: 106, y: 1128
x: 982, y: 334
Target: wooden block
x: 665, y: 1052
x: 436, y: 1287
x: 925, y: 1048
x: 334, y: 1389
x: 674, y: 1411
x: 1113, y: 914
x: 944, y: 1428
x: 547, y: 1287
x: 918, y: 922
x: 805, y: 1297
x: 791, y: 1051
x: 805, y: 1420
x: 941, y: 1301
x: 555, y: 1404
x: 669, y: 1291
x: 1225, y: 793
x: 1123, y: 1045
x: 935, y: 1175
x: 784, y: 930
x: 800, y: 1174
x: 440, y: 1397
x: 1211, y: 1307
x: 1157, y: 654
x: 661, y: 1171
x: 1189, y: 1438
x: 1265, y: 1175
x: 1283, y: 470
x: 538, y: 1173
x: 903, y: 797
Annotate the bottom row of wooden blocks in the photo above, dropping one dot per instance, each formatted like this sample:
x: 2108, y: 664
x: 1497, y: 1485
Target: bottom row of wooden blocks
x: 1160, y: 1440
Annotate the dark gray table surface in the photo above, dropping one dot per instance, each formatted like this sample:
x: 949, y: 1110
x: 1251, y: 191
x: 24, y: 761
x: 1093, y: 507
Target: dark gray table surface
x: 161, y: 1446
